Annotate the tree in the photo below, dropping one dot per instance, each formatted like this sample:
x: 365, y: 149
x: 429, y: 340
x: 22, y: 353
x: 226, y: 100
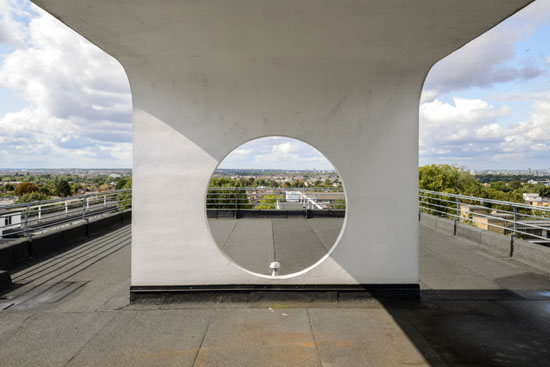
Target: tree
x: 515, y: 184
x: 103, y: 188
x: 542, y: 190
x: 449, y: 179
x: 25, y: 188
x: 339, y: 204
x: 75, y: 187
x: 44, y: 190
x: 227, y: 198
x: 120, y: 184
x: 269, y: 202
x: 126, y: 198
x: 63, y: 188
x: 32, y: 196
x: 500, y: 186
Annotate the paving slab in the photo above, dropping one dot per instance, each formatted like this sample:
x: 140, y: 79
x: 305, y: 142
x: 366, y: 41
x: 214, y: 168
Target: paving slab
x: 259, y: 337
x: 12, y: 320
x: 50, y: 339
x: 147, y: 338
x: 350, y: 337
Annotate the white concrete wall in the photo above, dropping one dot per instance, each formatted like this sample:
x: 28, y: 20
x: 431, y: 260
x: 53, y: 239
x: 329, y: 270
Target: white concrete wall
x: 343, y: 76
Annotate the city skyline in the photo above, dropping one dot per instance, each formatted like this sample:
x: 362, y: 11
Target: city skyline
x: 65, y: 103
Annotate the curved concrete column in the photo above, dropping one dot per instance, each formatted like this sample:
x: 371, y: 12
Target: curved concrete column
x: 344, y: 76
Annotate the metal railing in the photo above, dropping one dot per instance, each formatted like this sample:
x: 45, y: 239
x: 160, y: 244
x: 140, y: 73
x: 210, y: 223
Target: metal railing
x: 265, y: 198
x: 530, y: 222
x: 26, y: 219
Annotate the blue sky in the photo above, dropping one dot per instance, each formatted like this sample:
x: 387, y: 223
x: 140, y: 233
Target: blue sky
x: 65, y: 103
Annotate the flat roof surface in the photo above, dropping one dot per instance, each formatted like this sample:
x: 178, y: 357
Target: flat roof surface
x: 477, y: 308
x: 296, y: 243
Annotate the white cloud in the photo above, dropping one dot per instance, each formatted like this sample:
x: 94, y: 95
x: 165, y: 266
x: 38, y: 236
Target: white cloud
x: 459, y: 130
x: 285, y: 148
x: 464, y: 113
x: 532, y: 134
x: 492, y: 131
x: 12, y: 32
x: 276, y: 152
x: 242, y: 152
x: 468, y: 131
x: 79, y: 98
x: 428, y: 95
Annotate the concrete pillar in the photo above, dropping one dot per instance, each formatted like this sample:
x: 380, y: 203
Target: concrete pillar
x: 343, y: 76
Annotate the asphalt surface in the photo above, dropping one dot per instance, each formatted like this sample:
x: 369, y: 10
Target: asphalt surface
x: 477, y: 309
x: 295, y: 243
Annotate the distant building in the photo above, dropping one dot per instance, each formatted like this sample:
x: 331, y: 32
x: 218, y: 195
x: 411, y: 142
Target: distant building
x: 536, y: 200
x: 9, y: 220
x: 531, y: 197
x: 480, y: 217
x: 541, y: 182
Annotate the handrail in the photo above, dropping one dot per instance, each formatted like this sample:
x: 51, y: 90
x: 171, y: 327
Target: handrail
x: 530, y: 222
x: 248, y: 198
x: 26, y: 219
x: 521, y: 220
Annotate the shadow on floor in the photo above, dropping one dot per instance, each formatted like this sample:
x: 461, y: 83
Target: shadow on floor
x: 505, y: 327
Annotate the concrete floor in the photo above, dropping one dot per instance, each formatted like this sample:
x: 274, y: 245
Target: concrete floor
x: 296, y: 243
x: 476, y: 309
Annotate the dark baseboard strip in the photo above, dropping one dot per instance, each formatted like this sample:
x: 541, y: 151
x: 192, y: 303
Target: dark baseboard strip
x: 5, y: 280
x: 274, y: 213
x: 252, y: 292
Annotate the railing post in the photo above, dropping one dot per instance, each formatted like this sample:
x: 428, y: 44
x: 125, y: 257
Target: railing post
x: 515, y: 220
x: 26, y: 223
x: 84, y: 207
x: 66, y: 208
x: 457, y: 208
x: 421, y: 206
x: 119, y: 204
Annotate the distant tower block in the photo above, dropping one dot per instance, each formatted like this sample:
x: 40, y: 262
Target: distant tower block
x: 344, y: 76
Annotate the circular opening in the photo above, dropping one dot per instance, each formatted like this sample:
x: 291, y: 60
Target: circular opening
x: 276, y: 206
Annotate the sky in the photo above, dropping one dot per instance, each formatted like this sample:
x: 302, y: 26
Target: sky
x: 276, y: 152
x: 65, y: 103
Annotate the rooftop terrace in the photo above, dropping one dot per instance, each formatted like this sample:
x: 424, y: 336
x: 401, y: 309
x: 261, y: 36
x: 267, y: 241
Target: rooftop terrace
x: 476, y: 308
